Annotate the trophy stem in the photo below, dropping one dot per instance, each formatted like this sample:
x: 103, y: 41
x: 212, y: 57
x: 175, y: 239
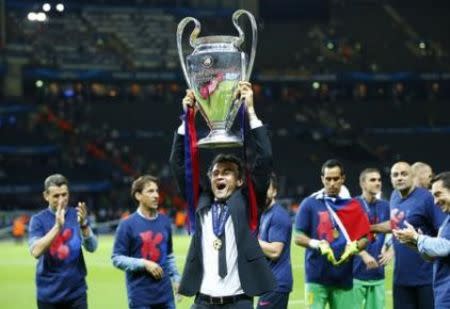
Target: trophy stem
x: 220, y: 138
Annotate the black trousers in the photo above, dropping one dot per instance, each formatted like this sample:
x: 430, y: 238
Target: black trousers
x: 413, y: 297
x: 77, y: 303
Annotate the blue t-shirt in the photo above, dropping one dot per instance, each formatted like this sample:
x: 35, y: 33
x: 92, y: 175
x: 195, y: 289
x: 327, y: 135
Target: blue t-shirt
x: 419, y: 210
x: 149, y: 239
x: 276, y: 226
x: 441, y: 273
x: 378, y: 211
x: 61, y: 271
x: 314, y: 220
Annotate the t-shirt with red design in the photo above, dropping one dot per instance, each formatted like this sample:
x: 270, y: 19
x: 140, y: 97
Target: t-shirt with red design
x: 60, y: 271
x: 315, y: 220
x: 150, y: 239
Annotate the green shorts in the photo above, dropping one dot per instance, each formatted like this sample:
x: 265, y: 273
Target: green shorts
x: 369, y: 294
x: 318, y: 295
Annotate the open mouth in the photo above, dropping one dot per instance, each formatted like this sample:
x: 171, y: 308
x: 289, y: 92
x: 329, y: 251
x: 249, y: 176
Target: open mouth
x: 221, y: 186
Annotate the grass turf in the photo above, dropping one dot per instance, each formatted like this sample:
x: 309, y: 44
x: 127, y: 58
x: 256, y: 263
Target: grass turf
x: 106, y: 283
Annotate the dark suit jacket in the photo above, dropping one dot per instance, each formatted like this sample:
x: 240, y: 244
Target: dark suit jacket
x: 254, y: 271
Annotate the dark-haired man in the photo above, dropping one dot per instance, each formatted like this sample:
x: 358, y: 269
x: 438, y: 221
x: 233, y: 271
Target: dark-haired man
x: 275, y: 232
x: 436, y: 248
x: 330, y: 227
x: 56, y: 236
x: 143, y: 249
x: 225, y: 266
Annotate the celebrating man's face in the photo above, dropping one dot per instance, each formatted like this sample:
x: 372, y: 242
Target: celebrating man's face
x: 224, y: 180
x: 441, y: 195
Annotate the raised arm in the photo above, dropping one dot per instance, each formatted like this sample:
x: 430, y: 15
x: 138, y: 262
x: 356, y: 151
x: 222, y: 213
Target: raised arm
x: 176, y: 160
x: 260, y: 158
x: 39, y: 243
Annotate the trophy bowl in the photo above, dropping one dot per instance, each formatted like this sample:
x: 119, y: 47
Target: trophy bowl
x: 213, y: 71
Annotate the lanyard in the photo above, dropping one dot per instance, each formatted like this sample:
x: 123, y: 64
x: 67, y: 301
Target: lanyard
x: 367, y: 208
x: 219, y: 220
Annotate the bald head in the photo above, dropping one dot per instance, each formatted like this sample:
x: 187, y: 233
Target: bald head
x: 402, y: 176
x: 422, y: 174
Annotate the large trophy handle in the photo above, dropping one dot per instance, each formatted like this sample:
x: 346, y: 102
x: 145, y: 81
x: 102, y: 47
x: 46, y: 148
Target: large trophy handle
x: 241, y: 39
x: 183, y: 23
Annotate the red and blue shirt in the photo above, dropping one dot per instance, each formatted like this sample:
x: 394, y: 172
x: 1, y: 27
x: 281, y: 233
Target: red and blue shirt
x: 378, y: 212
x: 315, y: 220
x: 140, y: 238
x: 61, y: 270
x: 419, y: 210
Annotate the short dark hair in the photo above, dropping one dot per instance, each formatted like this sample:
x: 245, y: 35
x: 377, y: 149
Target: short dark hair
x: 139, y: 184
x: 274, y: 180
x: 367, y: 171
x: 332, y: 163
x: 56, y: 180
x: 229, y: 158
x: 444, y: 177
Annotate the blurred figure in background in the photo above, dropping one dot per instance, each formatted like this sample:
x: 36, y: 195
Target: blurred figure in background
x: 56, y: 235
x: 19, y: 228
x: 423, y: 173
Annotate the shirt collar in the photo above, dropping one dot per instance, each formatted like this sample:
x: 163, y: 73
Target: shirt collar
x: 142, y: 215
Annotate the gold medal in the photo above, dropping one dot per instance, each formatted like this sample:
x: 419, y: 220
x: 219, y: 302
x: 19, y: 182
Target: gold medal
x: 217, y: 244
x: 335, y: 234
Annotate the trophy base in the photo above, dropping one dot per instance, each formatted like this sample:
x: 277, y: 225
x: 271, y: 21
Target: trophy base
x: 220, y: 139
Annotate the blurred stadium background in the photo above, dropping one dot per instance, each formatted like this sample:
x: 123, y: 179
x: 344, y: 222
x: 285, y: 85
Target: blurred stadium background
x: 92, y: 89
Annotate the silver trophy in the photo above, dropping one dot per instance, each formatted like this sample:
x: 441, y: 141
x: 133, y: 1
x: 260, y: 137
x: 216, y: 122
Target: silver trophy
x: 213, y: 71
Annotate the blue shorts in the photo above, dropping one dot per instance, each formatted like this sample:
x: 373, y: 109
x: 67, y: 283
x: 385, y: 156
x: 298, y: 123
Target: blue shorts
x: 273, y: 300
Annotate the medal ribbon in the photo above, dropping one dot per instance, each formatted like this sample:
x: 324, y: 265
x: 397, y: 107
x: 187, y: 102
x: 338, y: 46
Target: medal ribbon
x: 366, y: 206
x: 192, y: 170
x: 219, y: 219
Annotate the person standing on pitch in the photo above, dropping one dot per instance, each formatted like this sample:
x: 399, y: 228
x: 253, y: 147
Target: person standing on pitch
x: 56, y: 235
x: 225, y: 266
x: 143, y: 249
x: 275, y: 232
x: 329, y: 225
x: 435, y: 248
x: 368, y: 273
x: 412, y: 275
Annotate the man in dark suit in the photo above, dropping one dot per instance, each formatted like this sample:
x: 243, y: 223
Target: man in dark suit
x: 225, y: 265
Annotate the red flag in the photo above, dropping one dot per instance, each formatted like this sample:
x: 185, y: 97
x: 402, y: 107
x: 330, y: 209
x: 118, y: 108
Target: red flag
x: 354, y: 219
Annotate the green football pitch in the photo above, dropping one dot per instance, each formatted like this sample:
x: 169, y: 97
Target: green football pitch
x: 107, y: 284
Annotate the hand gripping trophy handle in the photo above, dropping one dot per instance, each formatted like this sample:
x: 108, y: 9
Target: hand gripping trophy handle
x: 183, y: 23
